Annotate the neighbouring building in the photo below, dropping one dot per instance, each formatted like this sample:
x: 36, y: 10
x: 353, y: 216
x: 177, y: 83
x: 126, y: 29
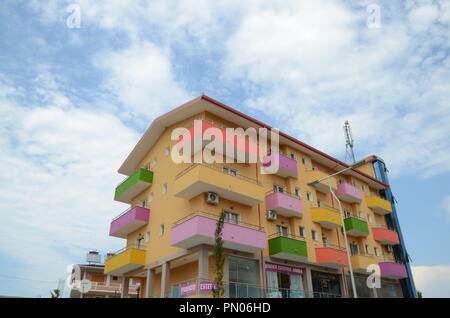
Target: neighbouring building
x: 101, y: 285
x: 283, y: 233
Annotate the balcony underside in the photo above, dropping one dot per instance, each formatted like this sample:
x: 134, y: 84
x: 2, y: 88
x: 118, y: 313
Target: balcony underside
x: 202, y: 179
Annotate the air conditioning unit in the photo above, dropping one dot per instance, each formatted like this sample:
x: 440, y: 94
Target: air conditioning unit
x: 212, y: 198
x: 271, y: 215
x: 389, y: 248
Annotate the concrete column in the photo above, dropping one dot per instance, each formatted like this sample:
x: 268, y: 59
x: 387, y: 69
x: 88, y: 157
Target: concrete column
x: 165, y: 279
x: 203, y: 262
x: 309, y: 284
x: 150, y: 283
x: 125, y: 285
x: 108, y: 280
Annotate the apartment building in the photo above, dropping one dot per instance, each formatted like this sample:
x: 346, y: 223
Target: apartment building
x: 283, y: 235
x: 101, y: 285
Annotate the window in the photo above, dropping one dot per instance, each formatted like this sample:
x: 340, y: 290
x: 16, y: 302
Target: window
x: 375, y: 250
x: 115, y: 278
x: 354, y: 248
x: 369, y: 217
x: 303, y: 161
x: 150, y: 197
x: 319, y: 203
x: 147, y: 237
x: 360, y: 215
x: 277, y: 188
x: 298, y: 192
x: 314, y: 235
x: 161, y: 230
x: 164, y: 188
x: 368, y: 251
x: 282, y: 230
x: 167, y: 151
x: 144, y: 203
x: 230, y: 171
x: 231, y: 217
x: 139, y: 241
x: 363, y: 187
x: 302, y: 232
x: 309, y: 196
x: 293, y: 156
x: 153, y: 162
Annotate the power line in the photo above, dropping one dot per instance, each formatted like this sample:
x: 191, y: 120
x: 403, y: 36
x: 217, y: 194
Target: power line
x: 27, y: 279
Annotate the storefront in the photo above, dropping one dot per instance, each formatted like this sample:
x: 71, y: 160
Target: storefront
x: 284, y: 281
x: 243, y: 277
x: 326, y: 285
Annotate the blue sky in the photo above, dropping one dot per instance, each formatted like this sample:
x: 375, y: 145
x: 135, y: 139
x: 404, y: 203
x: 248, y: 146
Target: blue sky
x: 74, y: 101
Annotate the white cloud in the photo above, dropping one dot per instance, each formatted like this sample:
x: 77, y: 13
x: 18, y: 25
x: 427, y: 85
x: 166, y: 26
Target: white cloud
x: 432, y: 281
x: 313, y: 65
x: 58, y: 175
x: 422, y: 17
x: 141, y: 78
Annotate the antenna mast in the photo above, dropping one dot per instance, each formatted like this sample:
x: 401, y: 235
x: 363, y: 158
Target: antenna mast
x: 349, y: 155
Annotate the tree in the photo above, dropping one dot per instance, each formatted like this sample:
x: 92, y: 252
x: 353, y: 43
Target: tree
x: 219, y: 258
x: 419, y: 294
x: 56, y: 293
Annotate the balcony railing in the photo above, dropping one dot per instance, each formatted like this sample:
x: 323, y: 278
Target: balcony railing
x: 204, y: 287
x: 288, y: 247
x: 216, y: 168
x: 199, y: 228
x: 284, y: 203
x: 216, y: 217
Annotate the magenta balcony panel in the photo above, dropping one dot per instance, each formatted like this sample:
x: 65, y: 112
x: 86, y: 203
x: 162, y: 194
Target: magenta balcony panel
x: 287, y: 166
x: 284, y: 204
x: 129, y: 221
x: 348, y: 193
x: 200, y: 230
x: 392, y: 270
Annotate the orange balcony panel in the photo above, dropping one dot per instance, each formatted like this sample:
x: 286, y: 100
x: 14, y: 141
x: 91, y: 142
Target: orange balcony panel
x: 331, y: 257
x: 385, y: 236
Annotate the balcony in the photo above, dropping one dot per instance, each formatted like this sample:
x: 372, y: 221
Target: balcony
x: 379, y: 205
x: 292, y: 248
x: 331, y: 256
x: 284, y: 204
x: 356, y: 227
x: 287, y: 167
x: 393, y: 270
x: 385, y: 236
x: 361, y: 261
x: 125, y: 260
x: 202, y: 132
x: 129, y: 221
x: 199, y: 178
x: 326, y: 216
x: 199, y: 227
x: 323, y: 186
x: 133, y: 185
x: 348, y: 193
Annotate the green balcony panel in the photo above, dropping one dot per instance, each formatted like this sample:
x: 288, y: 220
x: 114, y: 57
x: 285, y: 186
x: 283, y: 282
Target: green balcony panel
x: 288, y: 248
x: 356, y: 227
x: 133, y: 185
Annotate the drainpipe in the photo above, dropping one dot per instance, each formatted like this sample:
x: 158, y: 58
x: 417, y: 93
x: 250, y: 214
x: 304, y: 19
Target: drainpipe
x: 261, y: 265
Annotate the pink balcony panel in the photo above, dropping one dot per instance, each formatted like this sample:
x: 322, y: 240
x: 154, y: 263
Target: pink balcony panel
x: 287, y: 166
x: 200, y: 230
x: 348, y: 193
x: 129, y: 221
x: 284, y: 204
x: 393, y: 270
